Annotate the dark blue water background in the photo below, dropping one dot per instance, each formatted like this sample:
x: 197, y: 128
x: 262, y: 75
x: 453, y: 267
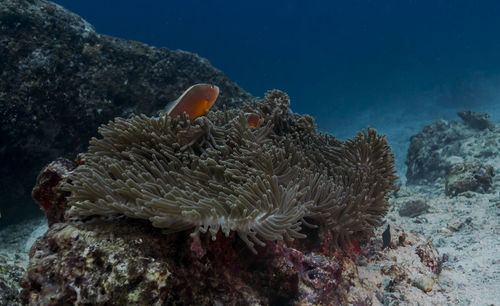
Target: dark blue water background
x: 389, y: 64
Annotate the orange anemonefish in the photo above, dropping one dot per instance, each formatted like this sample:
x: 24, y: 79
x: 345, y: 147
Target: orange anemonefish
x: 195, y: 101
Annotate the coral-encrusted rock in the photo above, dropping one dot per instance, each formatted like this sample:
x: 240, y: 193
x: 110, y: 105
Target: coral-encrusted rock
x: 442, y: 144
x: 469, y: 177
x: 125, y: 262
x: 60, y: 80
x: 47, y: 193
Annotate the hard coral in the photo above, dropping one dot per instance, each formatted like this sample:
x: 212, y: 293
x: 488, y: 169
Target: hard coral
x: 220, y: 173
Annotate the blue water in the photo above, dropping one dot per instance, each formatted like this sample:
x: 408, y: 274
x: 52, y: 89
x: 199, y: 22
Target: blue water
x: 393, y: 64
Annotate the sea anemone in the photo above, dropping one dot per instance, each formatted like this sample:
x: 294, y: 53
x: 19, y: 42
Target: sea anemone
x: 263, y: 177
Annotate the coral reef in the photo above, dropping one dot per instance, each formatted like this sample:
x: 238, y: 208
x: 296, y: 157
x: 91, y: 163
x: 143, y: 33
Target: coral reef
x: 251, y: 179
x: 60, y: 80
x: 219, y: 173
x: 442, y: 144
x: 117, y: 260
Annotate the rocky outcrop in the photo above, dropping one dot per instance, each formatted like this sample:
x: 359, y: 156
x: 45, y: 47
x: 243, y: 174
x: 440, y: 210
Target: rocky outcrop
x: 60, y: 80
x: 442, y: 144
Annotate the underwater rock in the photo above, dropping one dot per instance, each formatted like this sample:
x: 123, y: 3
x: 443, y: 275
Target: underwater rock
x: 478, y: 121
x: 469, y: 177
x: 60, y: 80
x: 442, y: 144
x: 127, y: 262
x: 413, y: 208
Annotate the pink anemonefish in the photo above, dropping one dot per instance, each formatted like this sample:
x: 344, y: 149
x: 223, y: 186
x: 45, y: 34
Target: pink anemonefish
x: 254, y: 120
x: 195, y: 101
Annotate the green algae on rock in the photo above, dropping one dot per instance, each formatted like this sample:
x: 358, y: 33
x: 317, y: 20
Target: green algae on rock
x: 218, y: 172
